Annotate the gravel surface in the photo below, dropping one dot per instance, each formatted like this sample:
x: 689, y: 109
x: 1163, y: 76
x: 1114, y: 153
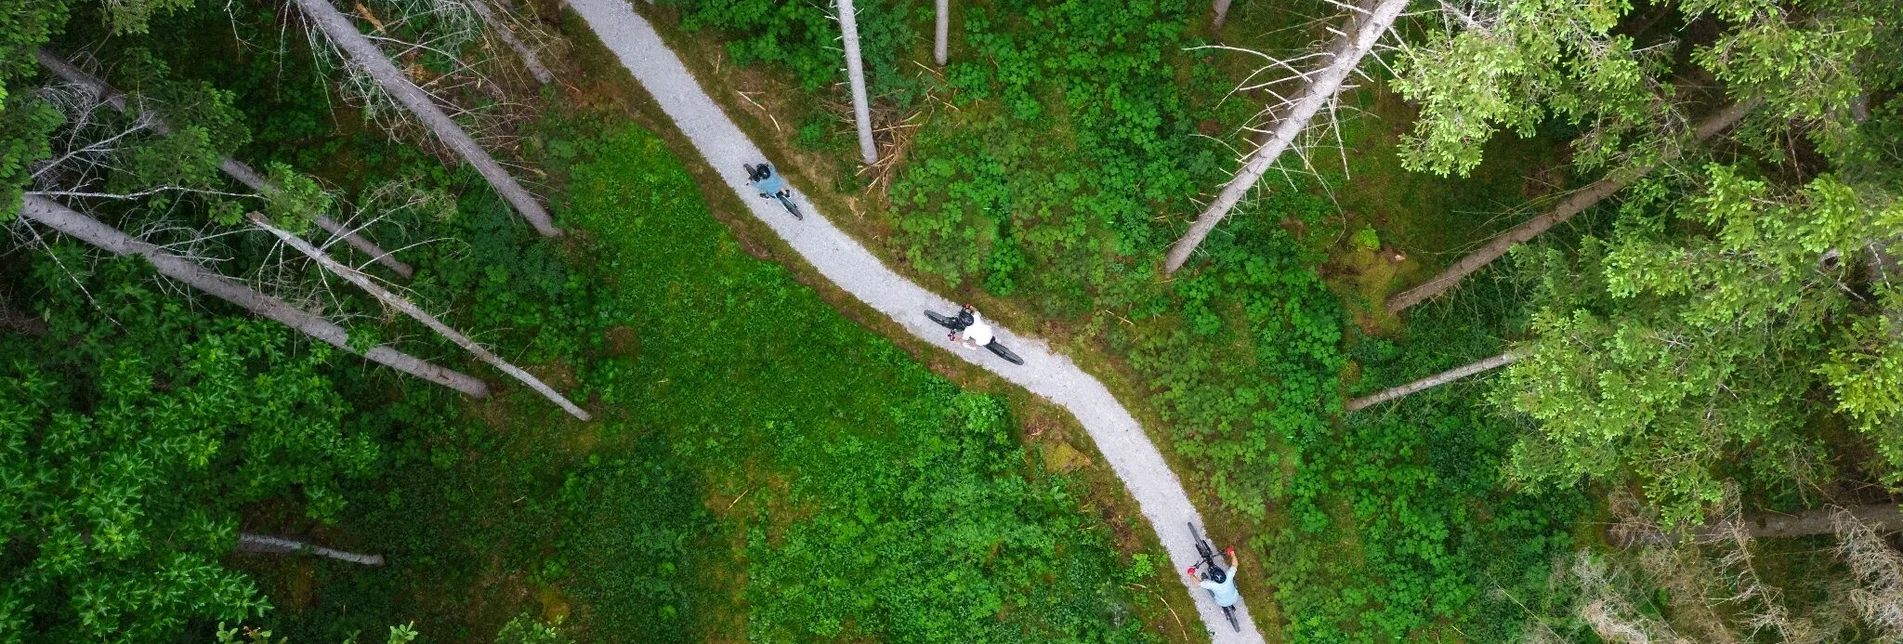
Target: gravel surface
x: 843, y: 261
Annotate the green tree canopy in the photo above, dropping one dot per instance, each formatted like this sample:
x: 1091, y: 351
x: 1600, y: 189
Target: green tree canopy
x: 1515, y: 64
x: 130, y: 434
x: 1694, y: 334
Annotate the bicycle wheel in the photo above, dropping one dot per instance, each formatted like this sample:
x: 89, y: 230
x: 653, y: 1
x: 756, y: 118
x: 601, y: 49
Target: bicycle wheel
x: 790, y: 207
x: 942, y: 320
x: 1230, y: 612
x: 1004, y: 353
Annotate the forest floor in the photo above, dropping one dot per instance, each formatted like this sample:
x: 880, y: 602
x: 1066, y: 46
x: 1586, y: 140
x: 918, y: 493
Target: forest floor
x: 1137, y: 462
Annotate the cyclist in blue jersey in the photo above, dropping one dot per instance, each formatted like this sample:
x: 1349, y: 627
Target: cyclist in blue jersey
x: 768, y: 182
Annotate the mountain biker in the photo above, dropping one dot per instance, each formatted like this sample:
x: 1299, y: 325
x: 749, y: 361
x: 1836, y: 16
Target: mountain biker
x: 1221, y: 584
x: 977, y: 333
x: 765, y: 180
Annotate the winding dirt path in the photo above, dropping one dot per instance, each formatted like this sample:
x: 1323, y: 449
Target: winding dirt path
x: 844, y: 262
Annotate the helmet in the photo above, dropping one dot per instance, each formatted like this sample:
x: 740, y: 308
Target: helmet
x: 1217, y: 574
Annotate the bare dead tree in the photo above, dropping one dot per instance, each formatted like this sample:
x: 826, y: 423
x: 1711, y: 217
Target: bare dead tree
x: 501, y: 28
x: 1573, y: 204
x: 237, y: 170
x: 441, y: 29
x: 1603, y: 607
x: 1365, y: 27
x: 1436, y: 380
x: 856, y: 77
x: 1687, y: 578
x: 415, y: 312
x: 1222, y: 13
x: 942, y: 30
x: 341, y: 33
x: 43, y: 210
x: 1878, y: 568
x: 1760, y: 604
x: 248, y: 542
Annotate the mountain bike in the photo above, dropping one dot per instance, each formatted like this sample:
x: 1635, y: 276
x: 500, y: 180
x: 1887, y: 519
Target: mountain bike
x: 952, y: 323
x: 1209, y: 560
x: 769, y: 184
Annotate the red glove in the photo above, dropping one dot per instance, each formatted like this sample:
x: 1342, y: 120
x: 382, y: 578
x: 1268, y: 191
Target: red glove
x: 1192, y: 571
x: 1231, y: 551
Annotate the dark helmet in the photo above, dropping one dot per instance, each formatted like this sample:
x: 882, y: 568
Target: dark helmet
x: 1217, y: 574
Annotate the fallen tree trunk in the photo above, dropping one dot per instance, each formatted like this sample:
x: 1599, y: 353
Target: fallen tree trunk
x: 342, y: 33
x: 1572, y: 205
x: 1883, y: 516
x: 529, y: 59
x: 1362, y: 31
x: 1433, y: 381
x: 248, y: 542
x: 856, y: 77
x: 409, y: 308
x: 91, y: 231
x: 232, y: 167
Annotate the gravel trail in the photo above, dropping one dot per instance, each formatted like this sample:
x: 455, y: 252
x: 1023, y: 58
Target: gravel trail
x: 844, y: 262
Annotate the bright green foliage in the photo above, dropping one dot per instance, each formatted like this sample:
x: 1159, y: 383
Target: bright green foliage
x: 1526, y: 60
x: 298, y: 200
x: 804, y: 37
x: 26, y: 125
x: 25, y: 121
x: 931, y: 545
x: 135, y: 16
x: 526, y: 629
x: 25, y: 25
x: 1808, y: 59
x: 1538, y: 59
x: 1367, y: 238
x: 1662, y: 356
x: 132, y: 432
x: 1867, y: 375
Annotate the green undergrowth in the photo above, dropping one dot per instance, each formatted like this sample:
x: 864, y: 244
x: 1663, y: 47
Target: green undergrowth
x: 1428, y: 539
